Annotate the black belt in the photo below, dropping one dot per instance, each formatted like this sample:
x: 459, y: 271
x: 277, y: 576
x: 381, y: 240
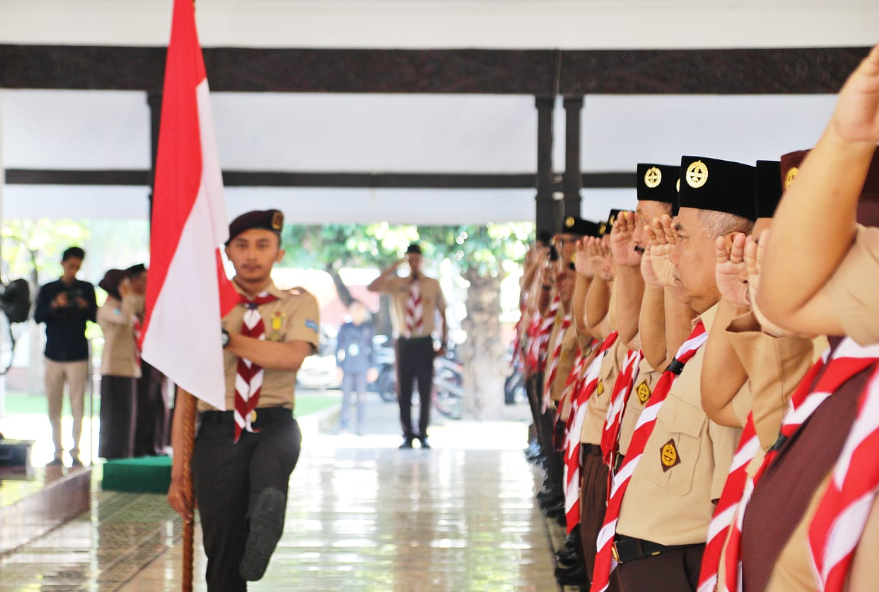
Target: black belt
x: 629, y: 549
x: 262, y: 416
x: 402, y: 339
x: 590, y: 449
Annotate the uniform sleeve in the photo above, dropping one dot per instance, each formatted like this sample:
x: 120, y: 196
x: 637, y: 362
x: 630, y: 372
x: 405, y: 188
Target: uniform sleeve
x: 340, y: 344
x: 122, y: 314
x: 43, y: 310
x: 91, y: 311
x: 304, y: 321
x: 724, y: 442
x: 775, y: 366
x: 854, y: 288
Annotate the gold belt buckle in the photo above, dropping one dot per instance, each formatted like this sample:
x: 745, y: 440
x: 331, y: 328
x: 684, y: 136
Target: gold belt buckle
x: 614, y: 552
x: 253, y: 416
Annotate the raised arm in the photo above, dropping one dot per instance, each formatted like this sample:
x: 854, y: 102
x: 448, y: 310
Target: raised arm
x: 380, y: 283
x: 814, y: 226
x: 629, y: 281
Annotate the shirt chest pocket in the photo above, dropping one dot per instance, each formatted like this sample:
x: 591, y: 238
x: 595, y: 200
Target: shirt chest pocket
x: 675, y: 447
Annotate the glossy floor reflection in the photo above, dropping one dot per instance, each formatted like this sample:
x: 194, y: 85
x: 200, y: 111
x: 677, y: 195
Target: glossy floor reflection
x: 362, y: 515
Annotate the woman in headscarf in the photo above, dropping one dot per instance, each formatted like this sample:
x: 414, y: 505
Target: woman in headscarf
x: 120, y: 367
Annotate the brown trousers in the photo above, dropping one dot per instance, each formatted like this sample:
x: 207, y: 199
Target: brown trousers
x: 593, y: 504
x: 675, y: 571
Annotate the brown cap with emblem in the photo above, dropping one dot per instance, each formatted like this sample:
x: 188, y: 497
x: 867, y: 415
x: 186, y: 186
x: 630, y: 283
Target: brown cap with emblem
x: 265, y: 219
x: 718, y: 185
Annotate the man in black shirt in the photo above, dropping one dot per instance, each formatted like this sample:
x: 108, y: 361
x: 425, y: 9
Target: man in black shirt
x: 65, y: 305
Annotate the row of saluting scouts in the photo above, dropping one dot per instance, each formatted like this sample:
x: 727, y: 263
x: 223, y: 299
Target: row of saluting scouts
x: 705, y: 395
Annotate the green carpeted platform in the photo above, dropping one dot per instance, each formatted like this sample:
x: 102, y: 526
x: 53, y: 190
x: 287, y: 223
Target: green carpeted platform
x: 151, y: 474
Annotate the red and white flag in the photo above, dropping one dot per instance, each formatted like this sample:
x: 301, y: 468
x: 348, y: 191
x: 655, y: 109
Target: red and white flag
x: 188, y: 291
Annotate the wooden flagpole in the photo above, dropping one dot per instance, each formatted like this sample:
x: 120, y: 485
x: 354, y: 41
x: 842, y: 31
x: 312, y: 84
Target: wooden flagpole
x: 188, y: 402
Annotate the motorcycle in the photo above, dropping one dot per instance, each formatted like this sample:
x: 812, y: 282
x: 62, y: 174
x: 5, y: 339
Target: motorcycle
x: 385, y: 358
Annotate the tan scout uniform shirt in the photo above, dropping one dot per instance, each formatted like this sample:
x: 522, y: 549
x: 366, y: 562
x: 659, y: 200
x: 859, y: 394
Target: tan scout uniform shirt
x: 570, y: 350
x: 641, y: 391
x: 672, y: 504
x: 854, y: 288
x: 596, y: 408
x: 116, y: 319
x: 294, y: 316
x: 775, y: 366
x: 432, y: 301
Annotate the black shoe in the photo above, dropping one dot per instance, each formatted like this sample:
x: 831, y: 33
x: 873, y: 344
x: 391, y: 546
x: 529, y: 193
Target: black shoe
x: 555, y: 511
x: 572, y: 577
x: 55, y: 462
x: 567, y: 557
x: 424, y: 444
x: 551, y: 502
x: 266, y: 528
x: 407, y: 443
x: 75, y: 463
x: 549, y: 494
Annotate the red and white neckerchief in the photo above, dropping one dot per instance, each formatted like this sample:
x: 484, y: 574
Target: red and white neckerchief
x: 248, y: 381
x: 842, y: 514
x: 726, y: 507
x: 847, y: 360
x: 554, y: 361
x: 578, y: 415
x: 517, y: 337
x: 568, y: 393
x: 540, y: 344
x: 604, y: 560
x: 414, y: 309
x: 619, y: 398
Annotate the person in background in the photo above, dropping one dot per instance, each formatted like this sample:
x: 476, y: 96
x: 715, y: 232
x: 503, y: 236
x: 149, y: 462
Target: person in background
x: 120, y: 367
x: 355, y: 357
x: 64, y: 306
x: 151, y: 427
x: 418, y: 300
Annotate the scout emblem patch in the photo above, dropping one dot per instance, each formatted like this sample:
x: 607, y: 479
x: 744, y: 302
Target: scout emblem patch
x: 277, y: 323
x: 653, y: 177
x: 668, y: 455
x: 791, y: 175
x: 697, y: 174
x: 643, y: 392
x: 600, y: 389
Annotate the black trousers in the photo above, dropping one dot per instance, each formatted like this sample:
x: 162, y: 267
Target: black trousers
x: 150, y: 433
x: 414, y: 362
x: 118, y: 416
x: 228, y: 478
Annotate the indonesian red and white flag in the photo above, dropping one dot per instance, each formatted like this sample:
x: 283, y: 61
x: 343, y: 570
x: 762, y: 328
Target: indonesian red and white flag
x: 188, y: 291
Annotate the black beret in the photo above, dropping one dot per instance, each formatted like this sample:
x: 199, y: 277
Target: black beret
x: 544, y: 237
x: 718, y: 185
x: 579, y: 226
x: 658, y: 182
x: 136, y: 269
x: 413, y: 248
x: 265, y: 219
x: 767, y: 187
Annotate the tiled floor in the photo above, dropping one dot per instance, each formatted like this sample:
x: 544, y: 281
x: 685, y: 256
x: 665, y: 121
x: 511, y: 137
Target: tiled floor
x: 362, y: 516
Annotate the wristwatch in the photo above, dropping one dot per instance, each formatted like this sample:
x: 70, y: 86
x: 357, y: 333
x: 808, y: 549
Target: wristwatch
x: 225, y: 338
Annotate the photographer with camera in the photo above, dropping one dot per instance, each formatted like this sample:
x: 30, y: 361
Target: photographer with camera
x: 64, y: 306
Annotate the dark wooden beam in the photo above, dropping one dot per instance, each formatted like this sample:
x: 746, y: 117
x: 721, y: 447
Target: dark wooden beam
x: 141, y: 178
x: 547, y: 209
x: 532, y: 72
x: 709, y: 71
x: 573, y: 177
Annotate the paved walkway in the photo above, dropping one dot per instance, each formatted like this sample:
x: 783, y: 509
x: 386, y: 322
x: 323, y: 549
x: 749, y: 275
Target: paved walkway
x: 362, y: 515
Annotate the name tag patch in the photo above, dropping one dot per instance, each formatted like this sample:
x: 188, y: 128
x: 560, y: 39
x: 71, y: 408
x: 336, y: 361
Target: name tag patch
x: 311, y: 325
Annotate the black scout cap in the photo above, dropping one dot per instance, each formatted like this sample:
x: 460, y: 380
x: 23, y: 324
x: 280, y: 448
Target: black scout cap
x: 658, y: 182
x: 136, y: 269
x: 579, y: 226
x: 718, y: 185
x: 265, y: 219
x: 607, y: 226
x: 767, y: 187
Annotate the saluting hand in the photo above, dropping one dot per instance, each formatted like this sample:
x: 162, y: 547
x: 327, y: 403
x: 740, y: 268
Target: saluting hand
x: 730, y: 271
x: 606, y: 269
x: 663, y: 240
x: 622, y: 241
x: 856, y: 117
x: 583, y: 259
x: 754, y: 250
x: 647, y: 269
